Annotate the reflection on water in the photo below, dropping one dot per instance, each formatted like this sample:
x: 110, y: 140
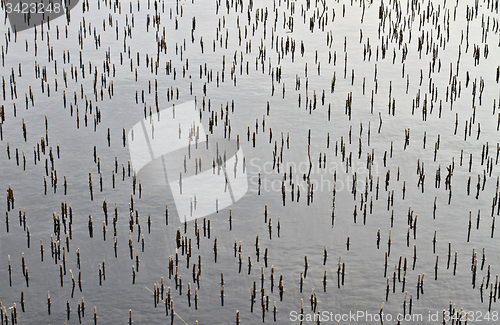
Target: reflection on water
x: 370, y: 154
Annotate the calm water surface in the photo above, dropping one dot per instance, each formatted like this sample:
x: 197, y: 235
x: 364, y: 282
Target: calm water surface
x: 305, y: 229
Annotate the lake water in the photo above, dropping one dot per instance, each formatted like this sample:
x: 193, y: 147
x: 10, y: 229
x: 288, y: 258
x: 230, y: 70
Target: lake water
x: 388, y: 96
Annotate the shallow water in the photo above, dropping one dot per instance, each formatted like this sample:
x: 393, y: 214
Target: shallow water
x: 305, y: 228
